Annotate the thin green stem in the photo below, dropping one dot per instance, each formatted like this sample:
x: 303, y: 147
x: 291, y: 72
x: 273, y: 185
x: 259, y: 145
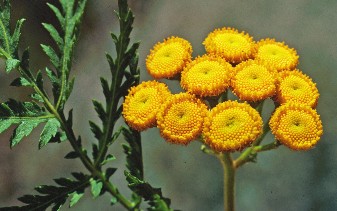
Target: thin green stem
x: 206, y: 150
x: 112, y: 105
x: 73, y: 142
x: 5, y: 53
x: 229, y: 181
x: 266, y: 147
x: 246, y: 156
x: 88, y: 164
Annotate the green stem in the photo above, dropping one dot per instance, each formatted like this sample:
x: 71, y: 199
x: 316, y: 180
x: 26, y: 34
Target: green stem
x: 246, y: 156
x: 266, y: 147
x: 88, y: 164
x: 229, y: 181
x: 73, y: 142
x: 112, y: 104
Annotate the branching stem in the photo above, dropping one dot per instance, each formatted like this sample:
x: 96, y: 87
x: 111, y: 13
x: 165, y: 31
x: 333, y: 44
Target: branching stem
x: 246, y: 156
x: 73, y: 141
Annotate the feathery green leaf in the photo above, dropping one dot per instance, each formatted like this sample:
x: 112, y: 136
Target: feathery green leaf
x: 20, y: 82
x: 54, y: 196
x: 50, y: 52
x: 49, y: 131
x: 11, y: 64
x: 153, y: 195
x: 96, y: 187
x: 75, y: 197
x: 133, y: 151
x: 72, y: 155
x: 24, y: 129
x: 27, y: 114
x: 8, y: 43
x: 16, y: 35
x: 54, y: 34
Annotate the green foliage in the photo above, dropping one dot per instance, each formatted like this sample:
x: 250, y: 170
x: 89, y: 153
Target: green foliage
x: 96, y: 187
x: 124, y: 74
x: 69, y: 18
x: 55, y: 196
x: 9, y: 42
x: 150, y: 194
x: 133, y: 151
x: 49, y: 131
x: 26, y: 116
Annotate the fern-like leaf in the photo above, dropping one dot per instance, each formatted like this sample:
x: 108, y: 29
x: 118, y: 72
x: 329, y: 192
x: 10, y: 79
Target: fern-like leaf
x: 54, y: 196
x: 124, y: 74
x: 152, y: 195
x: 9, y: 42
x: 27, y: 115
x: 69, y: 18
x: 133, y: 151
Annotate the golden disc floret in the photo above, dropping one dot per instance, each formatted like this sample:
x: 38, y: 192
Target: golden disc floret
x: 229, y: 43
x: 168, y: 58
x: 297, y: 126
x: 295, y: 86
x: 142, y: 104
x: 206, y: 76
x: 276, y: 55
x: 181, y: 118
x: 231, y: 126
x: 253, y: 81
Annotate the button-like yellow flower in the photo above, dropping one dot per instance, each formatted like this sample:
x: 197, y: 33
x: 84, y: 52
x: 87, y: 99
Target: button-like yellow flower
x: 230, y: 44
x: 276, y: 55
x: 294, y: 86
x: 181, y: 118
x: 206, y: 76
x: 297, y: 126
x: 168, y: 58
x: 231, y: 126
x: 253, y: 81
x: 142, y: 104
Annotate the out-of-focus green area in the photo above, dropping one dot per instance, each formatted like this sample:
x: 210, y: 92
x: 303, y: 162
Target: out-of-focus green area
x: 281, y: 179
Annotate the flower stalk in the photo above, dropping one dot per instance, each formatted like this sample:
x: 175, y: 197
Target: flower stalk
x: 229, y: 180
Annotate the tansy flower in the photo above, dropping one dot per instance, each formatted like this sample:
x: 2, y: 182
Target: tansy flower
x: 294, y: 86
x: 253, y: 81
x: 168, y: 58
x: 276, y: 55
x: 232, y: 45
x: 231, y: 126
x: 181, y: 118
x: 297, y: 126
x: 142, y: 104
x: 206, y: 76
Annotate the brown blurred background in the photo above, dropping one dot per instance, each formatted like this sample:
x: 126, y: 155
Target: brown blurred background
x: 281, y: 179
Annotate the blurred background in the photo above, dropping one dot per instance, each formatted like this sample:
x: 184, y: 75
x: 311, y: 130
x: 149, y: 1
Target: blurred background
x: 281, y: 179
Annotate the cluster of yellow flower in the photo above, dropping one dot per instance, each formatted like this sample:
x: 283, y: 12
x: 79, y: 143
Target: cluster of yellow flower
x: 254, y: 71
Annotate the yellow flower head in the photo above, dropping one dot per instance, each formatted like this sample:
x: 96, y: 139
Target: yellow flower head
x: 231, y: 126
x: 253, y: 81
x: 142, y: 104
x: 168, y: 58
x: 206, y: 76
x: 294, y: 86
x: 181, y: 118
x: 276, y: 55
x: 230, y: 44
x: 297, y: 126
